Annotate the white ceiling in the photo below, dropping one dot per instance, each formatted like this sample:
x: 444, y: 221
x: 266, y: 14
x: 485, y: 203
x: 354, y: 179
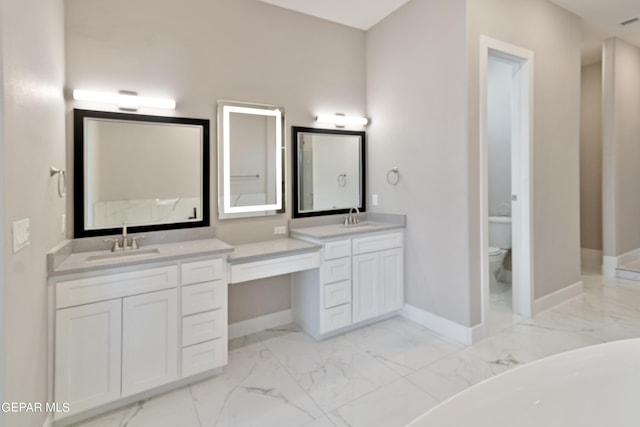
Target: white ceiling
x: 601, y: 18
x: 361, y: 14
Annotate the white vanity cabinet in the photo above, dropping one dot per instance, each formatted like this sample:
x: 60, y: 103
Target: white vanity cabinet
x: 204, y: 316
x: 360, y: 279
x: 149, y: 340
x: 377, y: 275
x: 88, y: 350
x: 123, y: 332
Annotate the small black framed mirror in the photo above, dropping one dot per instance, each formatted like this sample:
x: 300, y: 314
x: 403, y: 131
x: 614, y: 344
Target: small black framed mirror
x: 329, y: 171
x: 149, y: 173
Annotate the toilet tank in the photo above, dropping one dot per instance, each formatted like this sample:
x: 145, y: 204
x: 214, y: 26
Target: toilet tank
x: 500, y: 232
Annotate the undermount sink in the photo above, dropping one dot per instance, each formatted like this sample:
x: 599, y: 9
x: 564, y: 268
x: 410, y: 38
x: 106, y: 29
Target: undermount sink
x: 133, y: 253
x: 359, y: 225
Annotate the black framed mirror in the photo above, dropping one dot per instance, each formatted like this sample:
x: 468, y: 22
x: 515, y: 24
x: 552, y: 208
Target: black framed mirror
x: 329, y: 171
x: 149, y: 173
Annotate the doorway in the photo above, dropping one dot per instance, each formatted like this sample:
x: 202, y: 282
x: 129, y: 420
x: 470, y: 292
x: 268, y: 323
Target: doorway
x: 514, y: 68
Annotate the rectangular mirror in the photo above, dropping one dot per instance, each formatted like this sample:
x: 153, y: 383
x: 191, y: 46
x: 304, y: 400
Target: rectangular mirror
x: 328, y: 171
x: 148, y: 172
x: 250, y: 164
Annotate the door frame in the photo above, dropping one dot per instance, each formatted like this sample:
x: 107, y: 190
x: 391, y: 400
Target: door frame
x: 521, y: 167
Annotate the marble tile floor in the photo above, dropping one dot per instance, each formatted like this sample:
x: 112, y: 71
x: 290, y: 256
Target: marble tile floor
x: 385, y: 374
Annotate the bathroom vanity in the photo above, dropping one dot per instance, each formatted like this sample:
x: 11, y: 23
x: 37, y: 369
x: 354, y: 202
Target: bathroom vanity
x: 131, y: 322
x: 129, y: 325
x: 360, y: 278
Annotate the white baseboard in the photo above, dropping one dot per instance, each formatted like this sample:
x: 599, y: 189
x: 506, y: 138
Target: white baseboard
x: 557, y: 297
x: 261, y: 323
x: 443, y: 326
x: 590, y: 257
x: 610, y: 263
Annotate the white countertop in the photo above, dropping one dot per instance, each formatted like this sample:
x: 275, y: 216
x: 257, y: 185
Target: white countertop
x: 82, y: 261
x: 250, y: 252
x: 329, y: 231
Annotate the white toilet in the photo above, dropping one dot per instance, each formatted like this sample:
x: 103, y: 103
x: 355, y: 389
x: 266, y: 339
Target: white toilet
x: 499, y: 246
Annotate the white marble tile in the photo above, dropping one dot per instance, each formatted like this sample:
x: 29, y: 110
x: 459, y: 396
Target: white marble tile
x: 453, y: 374
x: 395, y: 404
x: 168, y: 410
x: 525, y: 342
x: 253, y: 390
x: 320, y: 422
x: 278, y: 331
x: 402, y: 345
x: 245, y: 341
x: 333, y: 372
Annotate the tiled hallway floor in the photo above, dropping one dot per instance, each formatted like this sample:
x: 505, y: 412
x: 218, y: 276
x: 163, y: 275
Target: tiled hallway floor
x: 381, y: 375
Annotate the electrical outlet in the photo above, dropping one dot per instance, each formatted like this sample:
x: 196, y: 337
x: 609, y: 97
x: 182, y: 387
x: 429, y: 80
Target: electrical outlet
x: 374, y: 200
x: 20, y: 234
x: 280, y: 230
x: 63, y: 223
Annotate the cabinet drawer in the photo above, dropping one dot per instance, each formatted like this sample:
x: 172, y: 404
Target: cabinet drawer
x: 337, y: 249
x: 337, y: 294
x: 110, y: 286
x: 203, y: 297
x: 253, y: 270
x: 203, y: 327
x: 203, y: 357
x: 335, y: 318
x: 377, y: 242
x: 202, y: 271
x: 336, y: 270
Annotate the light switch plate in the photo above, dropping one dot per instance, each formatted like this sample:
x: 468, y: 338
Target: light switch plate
x: 20, y: 231
x: 374, y: 200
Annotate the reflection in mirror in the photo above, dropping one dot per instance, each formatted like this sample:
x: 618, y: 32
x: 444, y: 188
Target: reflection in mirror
x: 250, y: 144
x: 146, y: 172
x: 328, y: 171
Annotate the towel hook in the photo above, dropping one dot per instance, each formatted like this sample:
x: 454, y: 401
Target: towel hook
x: 62, y: 180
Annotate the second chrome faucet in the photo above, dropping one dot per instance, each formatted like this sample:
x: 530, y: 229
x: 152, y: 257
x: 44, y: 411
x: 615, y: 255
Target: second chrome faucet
x: 125, y: 243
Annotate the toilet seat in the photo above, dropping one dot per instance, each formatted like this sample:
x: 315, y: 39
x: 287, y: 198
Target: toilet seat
x: 494, y: 251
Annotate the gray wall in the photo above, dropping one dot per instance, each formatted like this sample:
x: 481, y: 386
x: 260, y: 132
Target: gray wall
x: 32, y: 136
x: 199, y: 51
x: 591, y: 157
x: 621, y: 150
x: 423, y: 97
x: 417, y: 99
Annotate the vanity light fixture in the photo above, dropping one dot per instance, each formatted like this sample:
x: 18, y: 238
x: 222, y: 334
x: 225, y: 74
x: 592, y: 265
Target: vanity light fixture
x: 340, y: 120
x: 125, y: 100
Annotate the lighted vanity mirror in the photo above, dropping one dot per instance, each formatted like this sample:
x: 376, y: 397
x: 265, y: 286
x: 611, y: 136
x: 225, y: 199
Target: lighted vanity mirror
x: 148, y: 172
x: 250, y: 160
x: 328, y: 171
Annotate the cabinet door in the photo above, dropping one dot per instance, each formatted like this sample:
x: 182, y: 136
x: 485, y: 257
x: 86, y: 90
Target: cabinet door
x: 149, y: 340
x: 366, y: 294
x: 87, y: 355
x: 391, y: 280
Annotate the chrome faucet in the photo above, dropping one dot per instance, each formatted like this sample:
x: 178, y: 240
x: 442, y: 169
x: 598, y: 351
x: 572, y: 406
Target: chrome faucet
x: 125, y: 242
x: 354, y: 219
